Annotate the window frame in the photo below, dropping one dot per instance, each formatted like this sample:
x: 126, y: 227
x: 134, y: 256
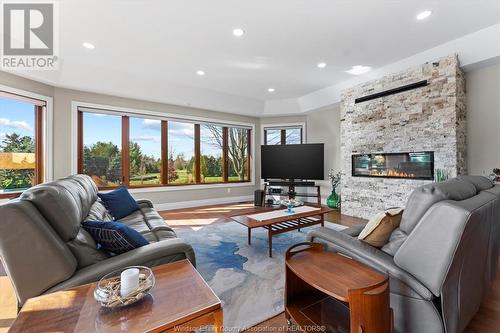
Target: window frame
x: 283, y: 127
x: 43, y: 133
x: 77, y: 145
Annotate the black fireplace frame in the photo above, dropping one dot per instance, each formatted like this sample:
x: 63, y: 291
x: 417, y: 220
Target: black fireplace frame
x: 431, y: 153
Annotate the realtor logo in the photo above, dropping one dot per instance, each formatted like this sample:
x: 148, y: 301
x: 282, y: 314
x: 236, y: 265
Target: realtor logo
x: 29, y: 35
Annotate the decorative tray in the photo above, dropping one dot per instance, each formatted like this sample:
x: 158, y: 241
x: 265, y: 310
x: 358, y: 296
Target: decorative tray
x: 108, y: 294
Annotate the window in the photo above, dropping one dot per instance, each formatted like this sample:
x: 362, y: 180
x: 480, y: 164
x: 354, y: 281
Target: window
x: 238, y: 152
x: 283, y: 135
x: 145, y: 151
x: 21, y: 143
x: 102, y: 159
x: 293, y: 136
x: 273, y: 136
x: 137, y: 151
x: 212, y: 144
x: 181, y: 152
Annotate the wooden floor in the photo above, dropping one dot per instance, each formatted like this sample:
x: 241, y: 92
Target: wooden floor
x: 486, y: 321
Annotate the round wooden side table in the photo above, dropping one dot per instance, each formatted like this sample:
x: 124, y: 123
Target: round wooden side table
x: 328, y: 292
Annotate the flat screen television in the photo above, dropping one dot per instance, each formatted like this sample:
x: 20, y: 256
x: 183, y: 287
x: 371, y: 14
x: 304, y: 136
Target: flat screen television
x: 298, y: 162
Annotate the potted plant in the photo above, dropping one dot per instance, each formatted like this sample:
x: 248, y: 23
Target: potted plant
x: 333, y: 200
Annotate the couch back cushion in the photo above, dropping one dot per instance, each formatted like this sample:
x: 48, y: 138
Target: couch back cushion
x: 64, y: 203
x: 425, y: 196
x: 481, y: 183
x: 420, y: 201
x: 98, y: 212
x: 34, y: 255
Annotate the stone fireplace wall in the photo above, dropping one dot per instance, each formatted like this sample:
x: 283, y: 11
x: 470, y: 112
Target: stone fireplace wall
x: 430, y: 118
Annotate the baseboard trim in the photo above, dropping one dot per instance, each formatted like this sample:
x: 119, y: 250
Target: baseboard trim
x: 203, y: 202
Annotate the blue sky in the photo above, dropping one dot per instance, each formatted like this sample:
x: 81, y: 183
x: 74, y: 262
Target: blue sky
x: 16, y: 117
x: 146, y: 132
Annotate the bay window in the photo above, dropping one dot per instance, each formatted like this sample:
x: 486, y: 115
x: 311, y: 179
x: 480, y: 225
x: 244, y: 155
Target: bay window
x: 141, y: 151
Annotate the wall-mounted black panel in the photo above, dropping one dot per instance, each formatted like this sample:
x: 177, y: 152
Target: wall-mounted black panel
x: 392, y: 91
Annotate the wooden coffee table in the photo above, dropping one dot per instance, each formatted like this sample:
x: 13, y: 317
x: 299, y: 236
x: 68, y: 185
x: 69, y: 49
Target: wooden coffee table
x: 283, y: 224
x: 180, y: 301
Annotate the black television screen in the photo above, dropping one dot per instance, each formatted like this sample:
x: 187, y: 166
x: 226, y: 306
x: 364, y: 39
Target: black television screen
x: 304, y: 162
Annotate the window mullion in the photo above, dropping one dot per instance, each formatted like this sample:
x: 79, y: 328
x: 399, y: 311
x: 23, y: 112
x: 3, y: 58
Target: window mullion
x: 39, y: 156
x: 197, y: 156
x: 249, y: 149
x: 80, y: 143
x: 164, y: 153
x: 225, y: 147
x: 125, y: 150
x: 283, y: 136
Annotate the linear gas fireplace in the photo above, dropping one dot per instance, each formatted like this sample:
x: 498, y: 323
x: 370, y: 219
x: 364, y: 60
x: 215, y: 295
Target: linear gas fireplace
x: 418, y: 165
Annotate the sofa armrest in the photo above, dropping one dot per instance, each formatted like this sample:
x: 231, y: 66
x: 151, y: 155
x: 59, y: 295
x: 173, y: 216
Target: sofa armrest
x: 150, y: 255
x: 354, y: 230
x: 145, y: 203
x: 360, y: 251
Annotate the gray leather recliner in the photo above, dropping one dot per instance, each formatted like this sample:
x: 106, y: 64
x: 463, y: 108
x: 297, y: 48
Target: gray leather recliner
x: 442, y: 259
x: 44, y: 248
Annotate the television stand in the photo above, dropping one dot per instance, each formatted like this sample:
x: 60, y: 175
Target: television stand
x: 292, y: 193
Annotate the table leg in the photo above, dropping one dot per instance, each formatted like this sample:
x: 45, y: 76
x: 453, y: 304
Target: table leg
x: 322, y: 220
x: 218, y: 322
x: 249, y: 236
x: 270, y: 237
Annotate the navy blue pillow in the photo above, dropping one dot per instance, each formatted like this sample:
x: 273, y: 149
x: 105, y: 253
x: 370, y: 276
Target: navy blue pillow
x: 114, y: 236
x: 119, y: 202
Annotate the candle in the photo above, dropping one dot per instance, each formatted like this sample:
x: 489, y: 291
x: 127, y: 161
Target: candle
x: 129, y: 281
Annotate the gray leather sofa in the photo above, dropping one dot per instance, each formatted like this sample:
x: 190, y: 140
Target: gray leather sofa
x: 45, y: 249
x: 442, y: 259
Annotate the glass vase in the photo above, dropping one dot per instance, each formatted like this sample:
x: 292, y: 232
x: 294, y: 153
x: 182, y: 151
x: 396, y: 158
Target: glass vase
x: 333, y: 200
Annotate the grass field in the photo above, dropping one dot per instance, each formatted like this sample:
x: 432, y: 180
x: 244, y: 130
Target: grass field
x: 183, y: 177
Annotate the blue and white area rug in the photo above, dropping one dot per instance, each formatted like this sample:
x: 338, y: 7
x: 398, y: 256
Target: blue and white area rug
x: 248, y: 282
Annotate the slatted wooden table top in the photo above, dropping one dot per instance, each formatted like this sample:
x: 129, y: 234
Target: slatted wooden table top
x: 249, y: 222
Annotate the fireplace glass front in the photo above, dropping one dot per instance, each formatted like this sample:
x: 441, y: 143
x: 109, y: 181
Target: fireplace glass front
x: 419, y: 165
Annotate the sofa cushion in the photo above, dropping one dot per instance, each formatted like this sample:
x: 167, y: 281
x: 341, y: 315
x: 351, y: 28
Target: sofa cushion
x: 98, y: 212
x: 378, y: 230
x: 119, y: 202
x: 420, y: 201
x: 149, y: 224
x: 481, y: 183
x: 114, y: 237
x: 64, y: 203
x: 397, y: 238
x: 34, y: 255
x: 422, y: 198
x: 495, y: 190
x: 85, y: 250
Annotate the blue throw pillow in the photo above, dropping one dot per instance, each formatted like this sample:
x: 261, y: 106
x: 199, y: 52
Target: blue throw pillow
x: 119, y: 202
x: 114, y: 236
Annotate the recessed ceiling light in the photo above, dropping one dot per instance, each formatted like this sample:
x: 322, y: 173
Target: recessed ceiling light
x: 88, y: 45
x: 238, y: 32
x: 359, y: 69
x: 423, y: 15
x: 271, y: 90
x: 200, y: 72
x: 321, y: 65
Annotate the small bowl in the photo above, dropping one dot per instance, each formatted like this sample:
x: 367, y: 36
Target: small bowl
x: 293, y: 202
x: 107, y: 292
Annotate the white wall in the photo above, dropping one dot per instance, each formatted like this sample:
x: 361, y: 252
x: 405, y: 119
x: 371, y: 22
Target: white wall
x: 483, y: 119
x: 324, y: 127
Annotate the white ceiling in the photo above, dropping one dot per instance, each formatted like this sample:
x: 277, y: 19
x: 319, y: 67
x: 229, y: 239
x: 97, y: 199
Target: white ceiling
x: 152, y: 49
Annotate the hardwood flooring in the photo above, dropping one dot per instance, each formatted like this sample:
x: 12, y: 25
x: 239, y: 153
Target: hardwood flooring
x: 487, y: 319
